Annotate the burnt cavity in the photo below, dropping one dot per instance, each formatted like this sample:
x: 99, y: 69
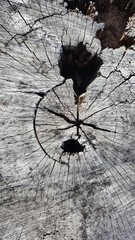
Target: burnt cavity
x: 79, y: 65
x: 114, y: 13
x: 72, y: 146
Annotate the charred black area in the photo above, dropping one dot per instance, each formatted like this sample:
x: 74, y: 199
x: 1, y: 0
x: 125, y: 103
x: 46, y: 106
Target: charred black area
x: 80, y: 65
x: 72, y: 146
x: 102, y: 5
x: 78, y: 4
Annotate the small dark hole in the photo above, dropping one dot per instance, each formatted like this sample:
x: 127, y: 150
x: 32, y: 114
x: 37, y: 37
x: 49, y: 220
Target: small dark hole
x: 86, y: 7
x: 79, y: 4
x: 72, y: 146
x: 13, y: 8
x: 80, y: 65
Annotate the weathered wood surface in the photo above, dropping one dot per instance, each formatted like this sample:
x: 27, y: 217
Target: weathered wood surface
x: 40, y: 197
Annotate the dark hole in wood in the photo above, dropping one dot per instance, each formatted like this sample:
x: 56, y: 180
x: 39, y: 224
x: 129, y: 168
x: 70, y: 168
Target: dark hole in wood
x: 72, y: 146
x: 80, y: 65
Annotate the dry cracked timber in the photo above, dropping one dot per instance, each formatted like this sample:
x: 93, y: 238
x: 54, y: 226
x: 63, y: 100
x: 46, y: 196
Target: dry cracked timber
x: 67, y: 103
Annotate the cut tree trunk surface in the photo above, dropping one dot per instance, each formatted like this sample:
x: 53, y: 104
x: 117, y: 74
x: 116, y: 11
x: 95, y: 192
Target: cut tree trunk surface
x: 67, y: 102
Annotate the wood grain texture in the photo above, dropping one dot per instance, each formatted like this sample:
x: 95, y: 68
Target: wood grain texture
x: 42, y: 198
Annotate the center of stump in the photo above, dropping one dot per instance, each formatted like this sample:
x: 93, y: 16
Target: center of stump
x: 80, y: 65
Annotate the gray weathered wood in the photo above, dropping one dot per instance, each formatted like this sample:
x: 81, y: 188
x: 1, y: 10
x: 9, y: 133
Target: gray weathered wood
x: 94, y: 198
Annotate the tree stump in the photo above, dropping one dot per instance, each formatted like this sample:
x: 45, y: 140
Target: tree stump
x: 67, y: 120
